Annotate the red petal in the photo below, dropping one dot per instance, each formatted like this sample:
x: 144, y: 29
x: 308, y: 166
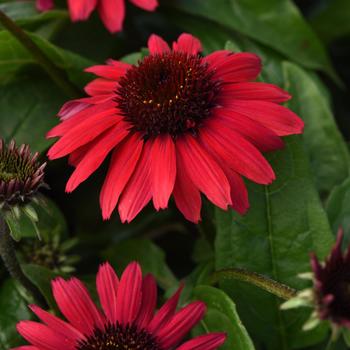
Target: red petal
x: 279, y: 119
x: 204, y: 172
x: 149, y: 301
x: 187, y: 196
x: 107, y: 286
x: 129, y: 294
x: 112, y: 14
x: 217, y: 57
x: 238, y: 67
x: 81, y: 9
x: 44, y: 5
x: 101, y: 86
x: 181, y: 324
x: 188, y: 44
x: 96, y: 154
x: 157, y: 45
x: 138, y: 191
x: 252, y: 91
x: 163, y: 165
x: 122, y: 165
x: 71, y: 108
x: 112, y: 72
x: 148, y: 5
x: 83, y: 133
x: 209, y: 341
x: 76, y: 305
x: 239, y: 154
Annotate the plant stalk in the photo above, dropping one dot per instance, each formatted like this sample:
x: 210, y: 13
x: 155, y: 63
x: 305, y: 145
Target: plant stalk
x: 8, y: 255
x: 263, y: 282
x: 58, y: 75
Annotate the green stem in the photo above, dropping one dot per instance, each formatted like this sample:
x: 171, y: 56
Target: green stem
x: 8, y: 255
x: 58, y: 75
x: 265, y: 283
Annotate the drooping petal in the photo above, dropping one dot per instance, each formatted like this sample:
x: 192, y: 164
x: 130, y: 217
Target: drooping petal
x: 204, y: 172
x: 238, y: 67
x: 149, y: 301
x: 107, y: 287
x: 56, y: 324
x: 187, y: 196
x: 122, y: 165
x: 148, y: 5
x: 252, y: 91
x: 239, y: 193
x: 111, y: 72
x: 76, y: 156
x: 183, y: 321
x: 138, y: 191
x: 188, y: 44
x: 237, y: 152
x: 76, y: 305
x: 112, y: 14
x: 260, y: 136
x: 209, y: 341
x: 165, y: 313
x: 163, y: 163
x: 80, y: 10
x: 44, y: 5
x: 43, y: 337
x: 96, y: 155
x: 71, y: 108
x: 279, y: 119
x: 83, y: 133
x: 129, y: 294
x: 101, y: 86
x: 26, y: 347
x: 157, y: 45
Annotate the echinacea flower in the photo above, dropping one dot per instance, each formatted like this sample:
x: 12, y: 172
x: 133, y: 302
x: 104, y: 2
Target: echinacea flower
x: 21, y: 175
x: 176, y: 124
x: 127, y: 319
x: 112, y: 12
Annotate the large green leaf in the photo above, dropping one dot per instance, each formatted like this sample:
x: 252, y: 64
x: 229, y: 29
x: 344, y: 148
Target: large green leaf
x: 27, y: 110
x: 327, y: 149
x: 275, y: 23
x: 285, y: 222
x: 13, y: 308
x: 150, y: 256
x: 222, y: 316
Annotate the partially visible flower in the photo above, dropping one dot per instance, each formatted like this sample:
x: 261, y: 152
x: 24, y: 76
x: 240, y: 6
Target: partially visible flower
x: 330, y: 294
x: 176, y: 124
x: 21, y: 175
x: 112, y: 12
x: 127, y: 319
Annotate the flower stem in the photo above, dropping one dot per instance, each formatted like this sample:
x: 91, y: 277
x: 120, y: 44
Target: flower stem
x: 58, y: 75
x: 265, y: 283
x: 8, y: 255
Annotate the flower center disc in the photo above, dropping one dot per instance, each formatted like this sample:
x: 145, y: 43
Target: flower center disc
x: 117, y: 337
x: 168, y: 93
x: 14, y: 167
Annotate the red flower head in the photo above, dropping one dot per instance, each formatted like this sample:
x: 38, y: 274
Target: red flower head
x: 112, y: 12
x: 176, y: 123
x: 126, y: 322
x: 332, y: 285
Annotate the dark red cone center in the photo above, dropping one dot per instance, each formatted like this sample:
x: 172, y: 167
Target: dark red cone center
x: 169, y: 93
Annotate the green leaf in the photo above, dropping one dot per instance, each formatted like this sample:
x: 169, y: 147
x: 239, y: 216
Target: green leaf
x: 328, y: 152
x: 275, y: 23
x: 285, y: 222
x: 27, y: 110
x: 150, y: 256
x: 13, y: 309
x: 338, y: 208
x: 333, y: 21
x: 222, y: 316
x: 13, y: 56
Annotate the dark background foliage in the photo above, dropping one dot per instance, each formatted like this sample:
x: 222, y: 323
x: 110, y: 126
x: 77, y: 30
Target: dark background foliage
x: 305, y: 47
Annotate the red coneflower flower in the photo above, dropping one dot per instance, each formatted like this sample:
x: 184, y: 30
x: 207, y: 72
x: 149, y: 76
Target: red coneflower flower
x: 332, y: 285
x: 176, y: 123
x: 112, y: 12
x: 126, y: 322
